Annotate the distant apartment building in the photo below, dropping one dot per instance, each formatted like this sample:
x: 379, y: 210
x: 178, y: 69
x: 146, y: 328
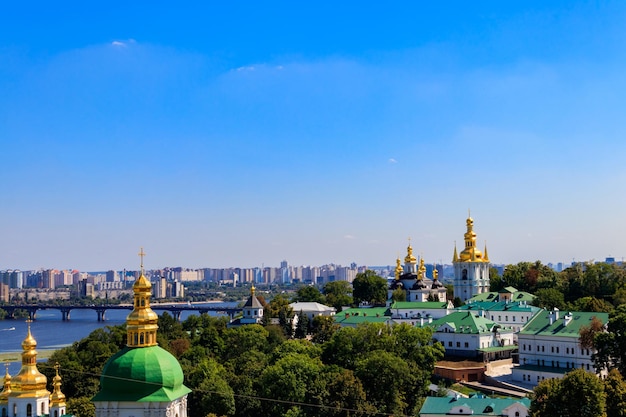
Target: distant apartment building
x: 4, y: 292
x: 112, y: 276
x: 159, y: 288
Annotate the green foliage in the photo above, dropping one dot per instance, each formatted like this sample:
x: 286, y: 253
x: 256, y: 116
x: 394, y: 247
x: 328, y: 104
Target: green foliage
x: 578, y: 394
x: 611, y: 346
x: 527, y: 276
x: 80, y: 407
x: 398, y: 295
x: 550, y: 298
x: 247, y: 371
x: 370, y: 288
x: 615, y: 388
x: 302, y: 327
x: 323, y: 329
x: 338, y: 294
x: 309, y: 293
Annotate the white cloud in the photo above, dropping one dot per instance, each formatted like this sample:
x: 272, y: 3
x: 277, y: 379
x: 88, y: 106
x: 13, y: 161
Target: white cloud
x: 349, y: 237
x: 392, y: 161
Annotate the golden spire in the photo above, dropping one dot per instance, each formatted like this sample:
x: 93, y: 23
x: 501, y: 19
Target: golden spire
x: 252, y: 290
x: 486, y: 256
x: 141, y: 323
x: 435, y: 272
x: 422, y: 269
x: 398, y: 270
x: 455, y: 257
x: 57, y: 398
x: 410, y: 258
x: 29, y: 382
x: 6, y: 390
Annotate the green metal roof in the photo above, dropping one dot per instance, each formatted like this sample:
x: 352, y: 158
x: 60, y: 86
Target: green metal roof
x: 141, y: 374
x: 498, y: 348
x: 366, y: 311
x: 540, y: 324
x: 481, y: 406
x: 495, y: 296
x: 416, y: 305
x: 465, y: 322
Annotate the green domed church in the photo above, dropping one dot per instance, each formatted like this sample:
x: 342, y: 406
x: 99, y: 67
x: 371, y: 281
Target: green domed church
x: 143, y: 379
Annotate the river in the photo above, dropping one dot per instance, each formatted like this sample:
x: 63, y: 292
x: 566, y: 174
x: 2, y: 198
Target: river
x: 53, y: 333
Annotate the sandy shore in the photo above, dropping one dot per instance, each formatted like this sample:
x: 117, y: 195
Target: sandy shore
x: 17, y: 356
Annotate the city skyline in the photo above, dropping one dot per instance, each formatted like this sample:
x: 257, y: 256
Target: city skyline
x: 244, y: 134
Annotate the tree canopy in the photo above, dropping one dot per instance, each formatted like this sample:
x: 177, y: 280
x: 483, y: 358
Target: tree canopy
x: 370, y: 288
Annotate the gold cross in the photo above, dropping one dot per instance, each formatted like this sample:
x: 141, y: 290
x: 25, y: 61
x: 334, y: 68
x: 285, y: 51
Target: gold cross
x: 141, y: 254
x: 57, y: 366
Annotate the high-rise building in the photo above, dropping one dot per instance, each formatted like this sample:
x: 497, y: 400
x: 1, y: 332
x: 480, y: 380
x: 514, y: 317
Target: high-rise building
x: 471, y: 267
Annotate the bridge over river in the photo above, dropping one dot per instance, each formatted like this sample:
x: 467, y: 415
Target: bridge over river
x: 174, y: 309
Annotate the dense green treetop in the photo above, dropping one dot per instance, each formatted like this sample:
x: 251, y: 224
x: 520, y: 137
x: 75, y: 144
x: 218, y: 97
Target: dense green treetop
x: 370, y: 288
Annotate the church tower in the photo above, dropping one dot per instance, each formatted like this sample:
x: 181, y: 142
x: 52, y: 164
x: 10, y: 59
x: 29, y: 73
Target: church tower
x: 143, y: 379
x: 471, y: 267
x: 25, y: 394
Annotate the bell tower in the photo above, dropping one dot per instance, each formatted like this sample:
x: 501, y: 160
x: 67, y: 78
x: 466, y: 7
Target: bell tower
x: 471, y: 267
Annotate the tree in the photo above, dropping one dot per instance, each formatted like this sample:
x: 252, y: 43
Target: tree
x: 81, y: 407
x: 398, y: 295
x: 588, y: 333
x: 369, y: 287
x: 309, y: 293
x: 615, y: 388
x: 550, y: 298
x: 564, y: 397
x: 378, y: 369
x: 611, y: 346
x: 338, y: 294
x: 592, y: 304
x: 302, y: 327
x: 279, y: 308
x: 212, y: 392
x: 323, y: 328
x: 545, y: 398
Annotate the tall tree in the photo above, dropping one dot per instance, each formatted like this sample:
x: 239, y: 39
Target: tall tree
x: 338, y: 294
x: 615, y: 388
x: 309, y: 293
x: 369, y: 287
x: 611, y: 346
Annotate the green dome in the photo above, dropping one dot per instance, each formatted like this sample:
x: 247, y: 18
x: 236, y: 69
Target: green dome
x: 141, y: 374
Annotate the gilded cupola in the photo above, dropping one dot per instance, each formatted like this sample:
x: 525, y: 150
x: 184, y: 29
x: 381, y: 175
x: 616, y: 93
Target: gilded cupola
x: 57, y: 398
x: 470, y: 252
x: 29, y: 382
x: 6, y: 389
x: 141, y: 323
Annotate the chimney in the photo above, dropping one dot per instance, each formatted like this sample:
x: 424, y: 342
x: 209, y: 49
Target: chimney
x: 556, y: 313
x: 567, y: 319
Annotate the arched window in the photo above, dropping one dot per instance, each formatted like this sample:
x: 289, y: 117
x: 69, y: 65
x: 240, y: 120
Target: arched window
x: 4, y: 412
x: 56, y: 413
x: 42, y: 410
x: 29, y: 410
x: 141, y: 339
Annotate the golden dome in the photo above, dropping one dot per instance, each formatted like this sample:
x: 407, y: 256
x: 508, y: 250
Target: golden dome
x: 6, y: 390
x: 398, y: 270
x: 57, y: 398
x: 29, y: 382
x: 141, y: 323
x: 409, y: 258
x: 471, y: 253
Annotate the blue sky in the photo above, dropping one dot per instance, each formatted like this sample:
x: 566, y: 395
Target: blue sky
x: 244, y: 133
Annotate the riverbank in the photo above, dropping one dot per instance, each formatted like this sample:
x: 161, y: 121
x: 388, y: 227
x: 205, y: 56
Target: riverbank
x: 17, y: 356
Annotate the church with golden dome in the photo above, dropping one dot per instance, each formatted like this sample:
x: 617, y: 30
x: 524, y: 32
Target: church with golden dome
x: 413, y: 280
x: 142, y: 379
x: 471, y: 267
x: 25, y: 394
